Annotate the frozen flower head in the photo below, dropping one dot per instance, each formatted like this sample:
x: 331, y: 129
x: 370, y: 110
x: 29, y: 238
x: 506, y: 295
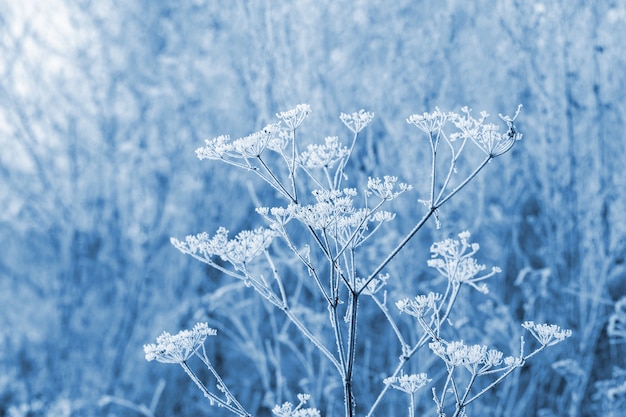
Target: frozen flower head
x: 419, y: 305
x: 240, y: 250
x: 293, y: 118
x: 385, y: 189
x: 477, y: 359
x: 252, y: 146
x: 407, y: 383
x: 323, y: 156
x: 547, y: 334
x: 429, y: 123
x: 357, y: 121
x: 288, y: 410
x: 486, y: 135
x: 216, y: 148
x: 179, y: 347
x: 331, y: 207
x: 454, y: 260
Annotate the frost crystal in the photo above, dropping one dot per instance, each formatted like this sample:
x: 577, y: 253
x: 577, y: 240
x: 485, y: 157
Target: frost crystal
x: 453, y: 259
x: 179, y: 347
x: 407, y: 383
x: 419, y: 305
x: 288, y: 410
x: 356, y: 121
x: 293, y: 118
x: 430, y: 122
x: 323, y: 156
x: 384, y: 189
x: 243, y: 248
x: 486, y: 136
x: 547, y: 334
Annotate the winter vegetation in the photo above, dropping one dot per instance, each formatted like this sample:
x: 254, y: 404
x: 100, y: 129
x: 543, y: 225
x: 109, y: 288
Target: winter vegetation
x: 415, y: 258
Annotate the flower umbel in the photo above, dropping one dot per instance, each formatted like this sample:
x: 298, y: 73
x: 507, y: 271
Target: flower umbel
x: 486, y: 136
x: 323, y: 156
x: 240, y: 250
x: 179, y: 347
x: 419, y: 305
x: 293, y: 118
x: 429, y: 122
x: 454, y: 260
x: 357, y: 121
x: 547, y: 334
x: 288, y: 410
x: 407, y: 383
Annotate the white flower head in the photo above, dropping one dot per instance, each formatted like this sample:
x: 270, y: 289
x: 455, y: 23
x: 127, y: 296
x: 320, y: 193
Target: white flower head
x: 179, y: 347
x: 323, y: 156
x: 454, y: 260
x: 429, y: 123
x: 240, y: 250
x: 547, y: 334
x: 288, y: 410
x: 216, y: 148
x: 385, y: 188
x: 486, y: 135
x: 407, y: 383
x: 293, y: 118
x: 357, y: 121
x: 419, y: 305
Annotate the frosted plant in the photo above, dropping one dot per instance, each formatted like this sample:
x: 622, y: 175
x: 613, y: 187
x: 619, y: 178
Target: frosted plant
x: 288, y: 410
x: 454, y: 260
x: 293, y: 118
x: 179, y: 348
x: 409, y: 384
x: 547, y: 334
x: 357, y: 121
x: 325, y: 225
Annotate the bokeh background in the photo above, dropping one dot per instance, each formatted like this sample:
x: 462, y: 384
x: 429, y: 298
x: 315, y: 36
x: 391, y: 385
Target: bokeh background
x: 102, y: 104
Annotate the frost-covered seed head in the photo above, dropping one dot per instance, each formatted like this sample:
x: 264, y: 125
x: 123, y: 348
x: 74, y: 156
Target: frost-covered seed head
x: 357, y: 121
x: 179, y: 347
x: 547, y: 334
x: 407, y: 383
x: 293, y: 118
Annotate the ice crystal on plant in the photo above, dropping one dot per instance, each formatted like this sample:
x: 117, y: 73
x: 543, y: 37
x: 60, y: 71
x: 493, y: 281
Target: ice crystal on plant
x: 419, y: 305
x: 453, y: 259
x: 384, y: 189
x: 429, y: 122
x: 288, y: 410
x: 323, y: 156
x: 357, y: 121
x: 243, y: 248
x: 215, y: 148
x: 293, y: 118
x: 407, y: 383
x: 330, y: 207
x: 547, y: 334
x: 477, y: 359
x: 486, y: 135
x: 179, y: 347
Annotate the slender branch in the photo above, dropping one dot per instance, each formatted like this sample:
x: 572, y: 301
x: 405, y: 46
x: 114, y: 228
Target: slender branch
x: 211, y: 397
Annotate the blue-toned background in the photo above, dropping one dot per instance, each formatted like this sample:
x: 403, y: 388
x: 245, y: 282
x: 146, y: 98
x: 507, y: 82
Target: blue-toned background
x: 102, y: 104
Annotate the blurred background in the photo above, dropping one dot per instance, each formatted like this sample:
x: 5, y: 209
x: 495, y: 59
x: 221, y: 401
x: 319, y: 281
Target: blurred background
x: 103, y: 103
